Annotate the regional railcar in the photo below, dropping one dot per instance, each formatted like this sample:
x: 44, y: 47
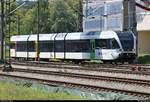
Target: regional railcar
x: 94, y: 45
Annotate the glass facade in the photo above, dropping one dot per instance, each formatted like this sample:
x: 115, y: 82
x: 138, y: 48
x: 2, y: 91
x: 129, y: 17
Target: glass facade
x: 114, y: 22
x: 95, y: 11
x: 114, y: 8
x: 103, y: 16
x: 97, y: 24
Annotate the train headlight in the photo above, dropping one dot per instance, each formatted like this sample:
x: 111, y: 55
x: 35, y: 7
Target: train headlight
x: 119, y: 50
x: 133, y: 50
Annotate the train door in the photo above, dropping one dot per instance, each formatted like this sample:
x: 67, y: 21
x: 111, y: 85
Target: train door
x: 92, y: 43
x: 98, y: 53
x: 101, y: 49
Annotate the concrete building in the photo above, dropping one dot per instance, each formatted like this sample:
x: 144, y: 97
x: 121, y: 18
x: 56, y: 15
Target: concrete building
x: 108, y: 15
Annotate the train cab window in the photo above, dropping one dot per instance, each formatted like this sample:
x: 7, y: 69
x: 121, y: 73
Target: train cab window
x: 107, y: 44
x: 102, y: 43
x: 114, y: 44
x: 46, y: 46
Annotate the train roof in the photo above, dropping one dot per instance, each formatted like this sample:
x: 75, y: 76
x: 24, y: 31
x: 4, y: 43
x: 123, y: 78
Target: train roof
x: 19, y: 38
x: 33, y: 37
x: 69, y: 36
x: 92, y: 35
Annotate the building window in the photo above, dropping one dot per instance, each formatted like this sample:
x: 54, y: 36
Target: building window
x: 94, y: 24
x: 114, y: 8
x: 113, y: 23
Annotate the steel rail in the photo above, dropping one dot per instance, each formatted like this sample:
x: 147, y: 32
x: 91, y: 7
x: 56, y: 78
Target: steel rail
x: 82, y: 86
x: 124, y: 70
x: 93, y: 77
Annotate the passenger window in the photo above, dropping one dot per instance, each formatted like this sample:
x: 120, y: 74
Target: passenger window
x: 59, y: 46
x: 21, y: 46
x: 77, y: 46
x: 31, y: 46
x: 46, y: 46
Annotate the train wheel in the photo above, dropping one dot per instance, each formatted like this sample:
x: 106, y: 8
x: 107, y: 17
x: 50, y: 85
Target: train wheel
x: 76, y: 62
x: 105, y: 62
x: 123, y: 62
x: 130, y: 61
x: 115, y: 63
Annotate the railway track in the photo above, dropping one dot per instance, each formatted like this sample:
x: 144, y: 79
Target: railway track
x: 90, y: 77
x: 137, y: 87
x: 128, y: 69
x: 133, y: 67
x: 86, y: 87
x: 97, y: 72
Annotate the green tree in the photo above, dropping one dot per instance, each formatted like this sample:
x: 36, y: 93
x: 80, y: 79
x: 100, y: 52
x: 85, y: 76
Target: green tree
x: 63, y: 17
x: 55, y: 16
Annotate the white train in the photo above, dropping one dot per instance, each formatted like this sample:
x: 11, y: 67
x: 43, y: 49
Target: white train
x: 94, y: 45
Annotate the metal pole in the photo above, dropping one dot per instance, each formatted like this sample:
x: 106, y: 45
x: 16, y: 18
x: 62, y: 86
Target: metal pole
x: 5, y: 37
x: 129, y: 20
x: 125, y: 15
x: 18, y: 24
x: 9, y: 33
x: 86, y: 8
x: 7, y: 66
x: 133, y: 21
x: 37, y: 47
x: 2, y: 31
x: 80, y: 16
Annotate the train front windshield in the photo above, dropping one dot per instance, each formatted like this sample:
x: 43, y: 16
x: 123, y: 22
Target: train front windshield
x: 127, y: 41
x: 107, y: 44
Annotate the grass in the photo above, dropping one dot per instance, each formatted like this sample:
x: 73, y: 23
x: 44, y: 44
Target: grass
x: 144, y: 58
x: 12, y: 92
